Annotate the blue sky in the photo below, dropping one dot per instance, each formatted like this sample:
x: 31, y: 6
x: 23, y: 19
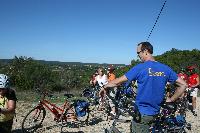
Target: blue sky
x: 95, y: 31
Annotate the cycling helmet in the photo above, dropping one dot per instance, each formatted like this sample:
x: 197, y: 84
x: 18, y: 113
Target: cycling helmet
x: 4, y: 82
x: 191, y: 67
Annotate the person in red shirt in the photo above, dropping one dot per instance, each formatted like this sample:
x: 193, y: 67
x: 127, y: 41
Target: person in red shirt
x: 193, y: 84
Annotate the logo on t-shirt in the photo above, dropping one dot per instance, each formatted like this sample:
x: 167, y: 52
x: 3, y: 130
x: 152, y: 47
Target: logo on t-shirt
x: 154, y: 73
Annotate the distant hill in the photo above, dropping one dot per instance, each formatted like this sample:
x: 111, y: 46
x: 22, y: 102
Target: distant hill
x: 7, y: 61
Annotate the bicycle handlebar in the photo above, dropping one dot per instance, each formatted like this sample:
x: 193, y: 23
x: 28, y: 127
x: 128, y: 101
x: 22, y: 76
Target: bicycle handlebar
x: 44, y: 92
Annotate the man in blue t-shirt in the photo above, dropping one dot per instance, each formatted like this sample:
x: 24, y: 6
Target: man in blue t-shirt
x: 151, y: 77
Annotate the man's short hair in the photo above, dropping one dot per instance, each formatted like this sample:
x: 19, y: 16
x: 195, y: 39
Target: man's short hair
x: 146, y: 46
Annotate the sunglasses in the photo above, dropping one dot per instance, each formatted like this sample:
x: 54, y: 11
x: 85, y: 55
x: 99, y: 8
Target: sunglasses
x: 139, y: 52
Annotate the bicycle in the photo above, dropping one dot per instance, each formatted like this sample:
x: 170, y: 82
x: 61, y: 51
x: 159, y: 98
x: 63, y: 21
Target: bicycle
x: 92, y: 94
x: 170, y: 122
x: 66, y: 113
x: 125, y: 106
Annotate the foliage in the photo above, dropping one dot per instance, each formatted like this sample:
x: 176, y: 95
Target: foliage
x: 178, y: 59
x: 27, y: 73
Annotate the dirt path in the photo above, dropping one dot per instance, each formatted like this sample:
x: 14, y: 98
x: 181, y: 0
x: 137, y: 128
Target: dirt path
x: 96, y: 125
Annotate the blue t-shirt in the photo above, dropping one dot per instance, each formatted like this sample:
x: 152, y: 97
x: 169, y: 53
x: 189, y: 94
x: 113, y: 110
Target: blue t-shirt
x: 151, y: 77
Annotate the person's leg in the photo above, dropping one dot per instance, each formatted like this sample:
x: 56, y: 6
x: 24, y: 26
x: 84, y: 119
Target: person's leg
x: 143, y: 126
x: 194, y: 100
x: 112, y: 95
x: 189, y: 96
x: 113, y: 109
x: 101, y: 106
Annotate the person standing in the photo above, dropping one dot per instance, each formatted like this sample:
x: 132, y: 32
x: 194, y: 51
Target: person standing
x: 151, y: 77
x: 112, y: 92
x: 7, y: 105
x: 101, y: 79
x: 193, y: 85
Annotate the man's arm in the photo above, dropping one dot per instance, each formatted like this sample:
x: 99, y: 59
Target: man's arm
x: 182, y: 85
x: 116, y: 82
x: 113, y: 83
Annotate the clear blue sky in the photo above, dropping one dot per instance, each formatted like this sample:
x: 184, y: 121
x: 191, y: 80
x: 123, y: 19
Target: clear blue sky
x: 95, y: 31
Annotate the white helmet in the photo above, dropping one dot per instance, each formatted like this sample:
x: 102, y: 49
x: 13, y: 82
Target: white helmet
x: 4, y: 82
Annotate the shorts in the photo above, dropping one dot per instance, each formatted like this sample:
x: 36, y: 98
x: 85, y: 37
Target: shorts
x: 193, y: 92
x: 144, y: 125
x: 6, y: 127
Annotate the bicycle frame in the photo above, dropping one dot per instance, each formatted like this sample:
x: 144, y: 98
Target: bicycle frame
x: 34, y: 118
x: 57, y: 111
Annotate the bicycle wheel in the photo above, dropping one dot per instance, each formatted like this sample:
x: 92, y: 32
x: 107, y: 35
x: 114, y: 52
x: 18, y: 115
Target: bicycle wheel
x: 33, y: 120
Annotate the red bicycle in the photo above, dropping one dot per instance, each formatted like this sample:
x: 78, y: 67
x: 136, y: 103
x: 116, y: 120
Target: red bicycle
x: 62, y: 114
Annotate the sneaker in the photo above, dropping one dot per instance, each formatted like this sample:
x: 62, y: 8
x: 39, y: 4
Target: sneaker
x: 194, y: 113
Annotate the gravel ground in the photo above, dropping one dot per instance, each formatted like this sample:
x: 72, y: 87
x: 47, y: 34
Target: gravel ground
x: 96, y: 124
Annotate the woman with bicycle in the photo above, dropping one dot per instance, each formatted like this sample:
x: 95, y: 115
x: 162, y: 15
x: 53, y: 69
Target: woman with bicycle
x: 7, y: 105
x: 101, y: 79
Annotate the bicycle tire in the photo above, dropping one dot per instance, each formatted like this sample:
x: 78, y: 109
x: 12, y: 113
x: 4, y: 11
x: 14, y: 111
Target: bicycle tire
x: 33, y: 120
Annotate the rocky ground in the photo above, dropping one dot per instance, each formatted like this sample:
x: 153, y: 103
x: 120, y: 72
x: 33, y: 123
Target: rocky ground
x: 96, y: 124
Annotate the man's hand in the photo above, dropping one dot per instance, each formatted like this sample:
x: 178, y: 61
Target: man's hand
x: 169, y: 99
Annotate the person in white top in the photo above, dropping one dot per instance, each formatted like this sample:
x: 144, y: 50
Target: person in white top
x: 102, y: 80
